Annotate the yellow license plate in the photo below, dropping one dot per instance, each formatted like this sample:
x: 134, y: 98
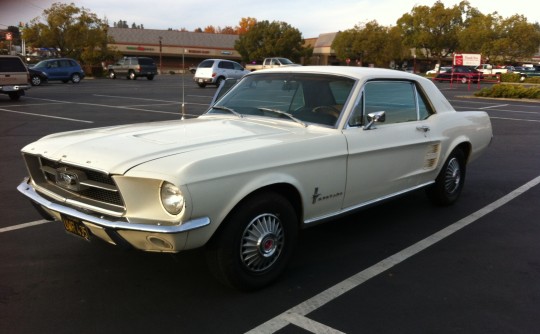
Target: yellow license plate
x: 75, y: 227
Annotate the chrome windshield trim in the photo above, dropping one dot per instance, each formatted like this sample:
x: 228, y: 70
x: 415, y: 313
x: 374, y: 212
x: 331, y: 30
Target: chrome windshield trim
x: 27, y: 190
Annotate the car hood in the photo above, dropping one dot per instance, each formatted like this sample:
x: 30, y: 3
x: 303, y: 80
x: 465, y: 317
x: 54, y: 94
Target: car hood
x: 120, y: 148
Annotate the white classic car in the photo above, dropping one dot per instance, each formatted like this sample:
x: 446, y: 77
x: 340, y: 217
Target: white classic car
x: 282, y: 150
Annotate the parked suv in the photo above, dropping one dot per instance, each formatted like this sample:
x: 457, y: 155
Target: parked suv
x: 133, y: 67
x: 14, y: 77
x: 61, y: 69
x: 214, y: 71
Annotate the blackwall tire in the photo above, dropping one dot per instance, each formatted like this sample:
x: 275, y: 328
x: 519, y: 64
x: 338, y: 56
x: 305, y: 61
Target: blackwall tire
x: 255, y: 243
x: 35, y: 80
x: 449, y: 183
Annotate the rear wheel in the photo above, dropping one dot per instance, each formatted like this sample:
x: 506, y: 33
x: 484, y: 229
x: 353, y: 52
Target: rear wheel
x: 449, y: 182
x: 255, y: 243
x: 76, y: 78
x: 14, y: 96
x: 150, y: 77
x: 219, y: 81
x: 464, y: 80
x: 201, y: 84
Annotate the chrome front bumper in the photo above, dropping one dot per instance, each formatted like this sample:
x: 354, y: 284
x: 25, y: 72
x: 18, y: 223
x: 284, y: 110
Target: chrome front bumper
x: 156, y: 238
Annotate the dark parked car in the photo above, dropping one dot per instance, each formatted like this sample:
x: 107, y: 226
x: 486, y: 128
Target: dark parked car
x: 133, y: 67
x: 460, y: 73
x: 62, y: 69
x: 528, y: 72
x: 37, y: 77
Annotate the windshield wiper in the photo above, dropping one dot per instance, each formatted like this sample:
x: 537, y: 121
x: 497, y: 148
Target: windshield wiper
x: 232, y: 111
x: 284, y: 113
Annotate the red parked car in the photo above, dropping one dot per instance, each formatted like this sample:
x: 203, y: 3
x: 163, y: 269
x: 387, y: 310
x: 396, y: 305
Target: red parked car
x: 460, y: 73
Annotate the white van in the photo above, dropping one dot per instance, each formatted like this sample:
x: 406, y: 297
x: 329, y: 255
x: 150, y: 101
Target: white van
x: 214, y: 71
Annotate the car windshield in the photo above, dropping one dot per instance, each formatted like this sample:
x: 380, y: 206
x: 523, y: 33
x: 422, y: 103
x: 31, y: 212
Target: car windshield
x: 42, y: 63
x: 310, y: 98
x: 285, y: 61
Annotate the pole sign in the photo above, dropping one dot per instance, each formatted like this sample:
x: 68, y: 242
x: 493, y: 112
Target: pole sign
x: 467, y: 59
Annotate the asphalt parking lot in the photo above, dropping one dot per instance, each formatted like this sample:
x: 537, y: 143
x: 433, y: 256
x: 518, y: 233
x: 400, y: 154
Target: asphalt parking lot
x: 402, y: 267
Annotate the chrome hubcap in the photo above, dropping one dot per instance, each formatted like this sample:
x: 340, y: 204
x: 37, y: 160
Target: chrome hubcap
x: 453, y: 176
x: 262, y: 242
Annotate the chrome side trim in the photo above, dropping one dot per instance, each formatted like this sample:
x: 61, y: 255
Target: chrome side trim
x: 28, y: 191
x: 351, y: 209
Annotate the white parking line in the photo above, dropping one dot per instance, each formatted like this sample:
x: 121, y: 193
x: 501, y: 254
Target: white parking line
x: 495, y: 106
x: 47, y: 116
x: 516, y: 119
x: 296, y: 314
x: 25, y: 225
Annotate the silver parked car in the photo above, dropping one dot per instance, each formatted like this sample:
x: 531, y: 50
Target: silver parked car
x: 214, y: 71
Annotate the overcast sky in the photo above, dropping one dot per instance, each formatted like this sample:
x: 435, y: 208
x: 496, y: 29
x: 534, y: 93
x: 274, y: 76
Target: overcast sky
x: 310, y: 17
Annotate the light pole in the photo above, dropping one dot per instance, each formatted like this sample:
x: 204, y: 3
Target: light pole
x: 414, y: 64
x: 160, y: 68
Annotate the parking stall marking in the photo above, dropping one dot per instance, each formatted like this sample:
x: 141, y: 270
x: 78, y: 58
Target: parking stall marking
x: 47, y: 116
x: 515, y: 119
x: 109, y: 106
x: 296, y: 314
x: 495, y: 106
x: 25, y: 225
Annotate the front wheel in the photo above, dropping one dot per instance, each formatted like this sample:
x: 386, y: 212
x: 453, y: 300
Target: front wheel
x: 449, y: 182
x: 255, y: 243
x: 464, y: 80
x: 35, y: 80
x: 132, y: 76
x: 112, y: 75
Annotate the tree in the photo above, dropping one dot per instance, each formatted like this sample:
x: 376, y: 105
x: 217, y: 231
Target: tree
x: 121, y: 24
x: 210, y: 29
x: 228, y: 30
x: 271, y: 39
x: 245, y: 24
x: 512, y: 43
x: 370, y: 43
x: 72, y: 31
x: 433, y: 30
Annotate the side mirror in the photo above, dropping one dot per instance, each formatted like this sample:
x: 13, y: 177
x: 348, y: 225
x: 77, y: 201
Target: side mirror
x: 375, y: 117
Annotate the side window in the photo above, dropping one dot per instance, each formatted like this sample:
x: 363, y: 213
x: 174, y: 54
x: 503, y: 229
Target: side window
x: 238, y: 67
x: 396, y: 98
x: 64, y: 63
x: 226, y: 65
x: 424, y: 108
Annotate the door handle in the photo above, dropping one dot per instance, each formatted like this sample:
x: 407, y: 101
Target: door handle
x: 423, y: 128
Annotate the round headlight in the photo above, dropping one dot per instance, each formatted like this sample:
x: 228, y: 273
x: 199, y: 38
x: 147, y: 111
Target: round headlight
x: 172, y: 198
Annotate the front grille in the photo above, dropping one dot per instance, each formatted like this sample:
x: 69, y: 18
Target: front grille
x: 88, y: 187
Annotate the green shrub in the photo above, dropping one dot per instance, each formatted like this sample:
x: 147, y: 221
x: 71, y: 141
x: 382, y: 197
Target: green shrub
x: 510, y: 77
x: 510, y: 91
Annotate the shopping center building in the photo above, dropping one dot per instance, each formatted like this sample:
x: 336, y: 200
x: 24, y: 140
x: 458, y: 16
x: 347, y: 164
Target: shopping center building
x: 173, y: 50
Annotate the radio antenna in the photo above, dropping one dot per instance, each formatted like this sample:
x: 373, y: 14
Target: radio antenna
x: 183, y: 75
